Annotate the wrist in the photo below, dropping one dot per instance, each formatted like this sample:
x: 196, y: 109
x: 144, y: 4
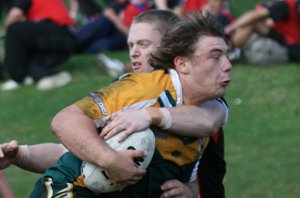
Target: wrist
x: 23, y: 156
x: 160, y: 117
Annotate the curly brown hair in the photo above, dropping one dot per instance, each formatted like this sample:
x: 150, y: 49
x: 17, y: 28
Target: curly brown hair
x: 181, y: 39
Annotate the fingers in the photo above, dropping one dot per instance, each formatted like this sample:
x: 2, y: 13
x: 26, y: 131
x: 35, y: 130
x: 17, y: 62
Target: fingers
x: 171, y: 193
x: 116, y: 125
x: 7, y: 148
x: 173, y: 188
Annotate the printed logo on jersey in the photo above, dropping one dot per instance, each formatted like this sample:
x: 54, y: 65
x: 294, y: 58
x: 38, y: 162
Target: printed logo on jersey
x: 99, y: 103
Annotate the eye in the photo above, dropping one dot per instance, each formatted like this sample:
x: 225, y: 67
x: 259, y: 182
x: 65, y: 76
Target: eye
x: 144, y: 44
x: 130, y: 45
x: 216, y: 57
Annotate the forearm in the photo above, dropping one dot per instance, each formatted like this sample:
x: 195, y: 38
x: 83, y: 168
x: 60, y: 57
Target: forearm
x: 117, y: 21
x: 248, y: 18
x: 5, y: 189
x: 193, y: 121
x: 198, y: 121
x: 78, y: 133
x: 38, y: 158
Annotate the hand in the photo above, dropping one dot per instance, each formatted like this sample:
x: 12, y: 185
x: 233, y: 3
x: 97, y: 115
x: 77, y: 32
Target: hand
x: 8, y: 153
x: 127, y: 121
x: 176, y: 189
x: 122, y: 170
x: 228, y: 29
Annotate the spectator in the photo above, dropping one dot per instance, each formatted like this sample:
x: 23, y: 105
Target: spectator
x: 196, y: 5
x: 108, y: 32
x: 39, y: 37
x: 174, y: 5
x: 278, y: 21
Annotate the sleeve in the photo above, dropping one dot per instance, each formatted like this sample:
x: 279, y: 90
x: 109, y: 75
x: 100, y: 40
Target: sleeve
x: 224, y: 104
x: 22, y: 4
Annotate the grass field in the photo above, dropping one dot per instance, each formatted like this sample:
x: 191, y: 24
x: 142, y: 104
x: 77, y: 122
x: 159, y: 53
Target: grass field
x: 262, y: 145
x: 261, y: 141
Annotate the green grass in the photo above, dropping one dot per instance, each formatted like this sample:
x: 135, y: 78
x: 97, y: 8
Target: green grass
x: 262, y: 145
x: 261, y: 137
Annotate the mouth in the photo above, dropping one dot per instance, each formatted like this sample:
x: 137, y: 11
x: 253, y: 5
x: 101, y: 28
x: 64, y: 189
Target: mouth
x: 136, y: 65
x: 225, y: 83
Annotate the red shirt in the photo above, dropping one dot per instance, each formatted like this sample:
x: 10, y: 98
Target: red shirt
x: 54, y: 10
x: 194, y: 5
x: 290, y: 27
x: 133, y: 10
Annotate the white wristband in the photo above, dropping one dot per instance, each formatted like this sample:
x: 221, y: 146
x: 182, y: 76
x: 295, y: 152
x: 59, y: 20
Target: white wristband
x: 166, y: 121
x: 24, y: 156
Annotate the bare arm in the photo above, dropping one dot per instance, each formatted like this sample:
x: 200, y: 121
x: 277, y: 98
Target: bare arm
x: 111, y: 15
x: 198, y: 121
x: 78, y: 133
x: 36, y: 158
x: 246, y: 19
x: 15, y: 14
x: 186, y: 120
x: 5, y: 189
x: 161, y: 4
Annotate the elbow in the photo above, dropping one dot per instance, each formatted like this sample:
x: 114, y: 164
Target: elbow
x: 211, y: 130
x: 56, y: 123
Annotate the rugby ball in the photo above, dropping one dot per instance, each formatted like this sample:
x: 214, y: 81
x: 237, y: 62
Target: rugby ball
x: 96, y: 179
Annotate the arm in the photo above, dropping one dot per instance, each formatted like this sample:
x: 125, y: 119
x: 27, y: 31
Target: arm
x: 186, y: 120
x: 246, y: 19
x: 161, y: 4
x: 15, y: 14
x: 111, y: 15
x: 198, y: 121
x: 5, y: 189
x: 78, y: 133
x: 36, y: 158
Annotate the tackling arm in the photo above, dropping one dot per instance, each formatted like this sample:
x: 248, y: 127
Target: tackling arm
x: 198, y: 121
x: 78, y: 133
x: 186, y: 120
x: 36, y: 158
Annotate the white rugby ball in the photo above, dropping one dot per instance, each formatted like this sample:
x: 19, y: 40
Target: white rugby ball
x: 95, y: 177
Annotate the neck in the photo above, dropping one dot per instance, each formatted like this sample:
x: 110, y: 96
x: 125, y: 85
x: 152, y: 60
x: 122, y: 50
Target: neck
x: 193, y: 96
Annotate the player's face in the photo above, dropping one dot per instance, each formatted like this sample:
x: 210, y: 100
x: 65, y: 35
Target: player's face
x: 208, y: 69
x: 143, y: 39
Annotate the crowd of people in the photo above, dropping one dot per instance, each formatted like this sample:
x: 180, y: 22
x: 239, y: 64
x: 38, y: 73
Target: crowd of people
x: 263, y: 36
x: 160, y: 37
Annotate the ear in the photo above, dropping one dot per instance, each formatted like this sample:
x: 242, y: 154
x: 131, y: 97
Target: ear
x: 181, y: 64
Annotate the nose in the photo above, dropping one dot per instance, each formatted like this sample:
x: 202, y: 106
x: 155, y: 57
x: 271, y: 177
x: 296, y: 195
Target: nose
x: 134, y: 51
x: 227, y: 66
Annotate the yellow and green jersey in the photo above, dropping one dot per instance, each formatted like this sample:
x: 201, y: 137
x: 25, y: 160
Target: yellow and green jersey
x: 175, y: 157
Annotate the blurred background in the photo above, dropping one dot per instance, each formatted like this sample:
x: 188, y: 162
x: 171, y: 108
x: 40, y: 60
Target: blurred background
x: 261, y: 142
